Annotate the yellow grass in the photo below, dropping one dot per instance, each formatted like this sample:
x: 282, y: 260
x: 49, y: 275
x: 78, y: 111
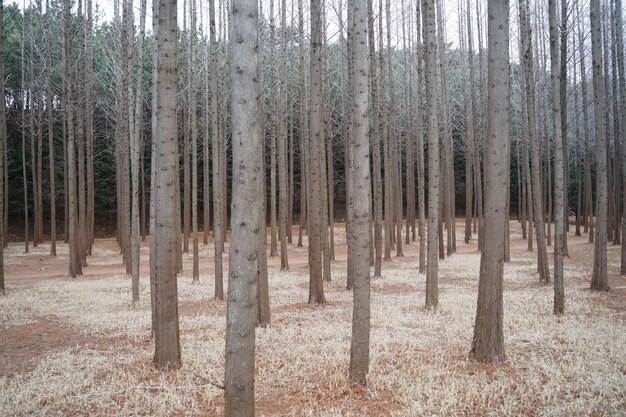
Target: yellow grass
x: 569, y: 366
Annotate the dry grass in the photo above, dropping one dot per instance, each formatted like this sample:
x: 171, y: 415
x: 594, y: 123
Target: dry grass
x: 569, y: 366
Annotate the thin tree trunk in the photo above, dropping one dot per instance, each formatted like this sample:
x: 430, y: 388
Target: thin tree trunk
x: 599, y: 280
x: 559, y: 169
x: 430, y: 58
x: 315, y: 217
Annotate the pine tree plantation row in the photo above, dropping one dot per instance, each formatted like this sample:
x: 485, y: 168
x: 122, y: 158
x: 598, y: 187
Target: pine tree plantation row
x: 384, y: 117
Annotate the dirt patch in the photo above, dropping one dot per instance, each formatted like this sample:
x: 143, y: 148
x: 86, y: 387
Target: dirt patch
x: 22, y: 347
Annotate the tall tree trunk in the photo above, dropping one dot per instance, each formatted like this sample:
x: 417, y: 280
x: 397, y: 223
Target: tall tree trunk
x: 74, y: 258
x: 599, y: 280
x: 360, y: 171
x: 488, y: 341
x: 246, y: 210
x: 217, y: 168
x: 316, y: 139
x: 51, y: 155
x: 375, y: 141
x: 282, y: 141
x: 527, y: 58
x: 430, y: 58
x: 559, y: 169
x: 622, y: 104
x: 421, y: 182
x: 165, y: 193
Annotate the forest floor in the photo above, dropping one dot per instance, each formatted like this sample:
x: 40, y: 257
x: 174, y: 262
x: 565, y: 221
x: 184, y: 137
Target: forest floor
x: 78, y: 347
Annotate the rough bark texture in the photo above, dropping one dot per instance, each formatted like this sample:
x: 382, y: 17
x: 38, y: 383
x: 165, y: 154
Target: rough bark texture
x: 316, y: 139
x: 488, y: 342
x: 164, y: 211
x: 430, y: 59
x: 360, y: 184
x: 559, y: 184
x: 246, y: 223
x: 599, y: 279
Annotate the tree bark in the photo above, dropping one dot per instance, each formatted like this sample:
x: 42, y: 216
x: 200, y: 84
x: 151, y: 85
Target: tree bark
x: 599, y: 280
x: 360, y: 183
x: 246, y: 222
x: 488, y: 342
x: 315, y: 217
x: 430, y: 58
x: 559, y: 169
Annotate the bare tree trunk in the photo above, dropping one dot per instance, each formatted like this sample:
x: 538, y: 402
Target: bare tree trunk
x: 246, y: 210
x: 527, y: 58
x: 360, y: 171
x: 217, y: 169
x: 622, y: 104
x: 3, y: 135
x: 421, y: 182
x: 304, y: 126
x: 488, y: 341
x: 315, y: 217
x: 375, y: 141
x: 559, y: 179
x: 273, y: 139
x: 165, y: 193
x: 599, y: 280
x: 388, y: 185
x: 51, y: 155
x: 282, y: 141
x: 74, y: 258
x: 430, y: 58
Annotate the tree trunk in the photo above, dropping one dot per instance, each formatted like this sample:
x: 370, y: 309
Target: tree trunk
x: 421, y: 182
x: 217, y: 168
x: 599, y: 280
x: 360, y: 183
x: 488, y: 341
x: 282, y: 142
x: 527, y: 58
x: 559, y: 169
x: 246, y: 210
x: 430, y: 58
x: 315, y: 218
x: 375, y: 141
x: 622, y: 104
x: 164, y: 211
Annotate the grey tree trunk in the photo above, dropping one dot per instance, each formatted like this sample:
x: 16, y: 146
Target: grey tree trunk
x: 375, y: 141
x: 282, y: 143
x: 316, y: 139
x: 599, y: 279
x: 247, y: 203
x: 164, y: 210
x: 527, y: 59
x: 421, y: 182
x: 622, y: 105
x: 488, y: 342
x: 360, y: 183
x: 430, y: 59
x: 559, y: 183
x: 217, y: 168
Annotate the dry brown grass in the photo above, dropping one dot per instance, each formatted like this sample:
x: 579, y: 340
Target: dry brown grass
x: 77, y: 347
